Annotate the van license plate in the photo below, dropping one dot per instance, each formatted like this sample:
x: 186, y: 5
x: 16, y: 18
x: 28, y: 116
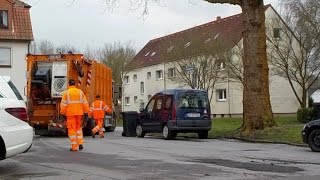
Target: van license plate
x: 193, y: 115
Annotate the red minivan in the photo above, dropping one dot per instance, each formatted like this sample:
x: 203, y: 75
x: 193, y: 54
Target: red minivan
x: 176, y: 111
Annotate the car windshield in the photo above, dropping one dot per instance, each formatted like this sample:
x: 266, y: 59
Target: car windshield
x: 196, y: 100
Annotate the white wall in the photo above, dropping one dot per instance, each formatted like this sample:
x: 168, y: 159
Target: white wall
x: 18, y: 68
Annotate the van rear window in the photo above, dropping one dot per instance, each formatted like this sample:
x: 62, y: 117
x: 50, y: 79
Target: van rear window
x: 15, y: 90
x: 193, y: 100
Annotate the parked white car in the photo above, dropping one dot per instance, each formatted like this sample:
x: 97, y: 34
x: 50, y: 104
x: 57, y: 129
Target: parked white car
x: 16, y: 134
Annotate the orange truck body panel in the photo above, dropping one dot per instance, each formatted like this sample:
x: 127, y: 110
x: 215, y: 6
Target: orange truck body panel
x: 47, y: 73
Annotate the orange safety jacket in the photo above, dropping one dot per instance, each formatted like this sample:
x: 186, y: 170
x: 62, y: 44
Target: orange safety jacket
x: 98, y: 108
x: 74, y: 102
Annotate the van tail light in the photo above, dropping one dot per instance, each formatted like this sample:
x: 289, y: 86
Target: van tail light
x: 174, y: 114
x: 20, y: 113
x: 205, y: 114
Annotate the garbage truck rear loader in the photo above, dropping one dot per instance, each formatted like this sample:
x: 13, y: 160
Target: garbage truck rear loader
x: 47, y: 79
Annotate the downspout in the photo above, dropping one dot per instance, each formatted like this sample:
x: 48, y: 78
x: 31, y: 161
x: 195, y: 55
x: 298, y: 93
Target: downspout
x: 29, y: 47
x: 164, y: 76
x: 229, y: 94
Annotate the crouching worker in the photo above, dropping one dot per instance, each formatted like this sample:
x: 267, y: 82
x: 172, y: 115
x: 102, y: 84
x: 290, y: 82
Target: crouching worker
x: 97, y: 111
x: 74, y: 106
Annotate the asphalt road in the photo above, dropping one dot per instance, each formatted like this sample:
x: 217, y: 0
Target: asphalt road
x: 116, y: 157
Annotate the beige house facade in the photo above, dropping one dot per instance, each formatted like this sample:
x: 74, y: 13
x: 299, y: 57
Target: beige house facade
x: 151, y: 71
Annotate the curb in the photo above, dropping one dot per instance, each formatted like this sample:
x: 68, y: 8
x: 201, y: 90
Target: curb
x: 266, y: 141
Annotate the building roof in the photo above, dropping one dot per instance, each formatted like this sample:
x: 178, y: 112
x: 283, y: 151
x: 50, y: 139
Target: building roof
x: 21, y: 26
x: 203, y: 39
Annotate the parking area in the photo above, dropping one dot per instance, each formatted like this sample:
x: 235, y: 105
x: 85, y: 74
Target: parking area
x: 117, y: 157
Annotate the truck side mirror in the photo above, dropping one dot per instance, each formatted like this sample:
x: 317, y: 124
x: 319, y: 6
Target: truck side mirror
x: 141, y: 110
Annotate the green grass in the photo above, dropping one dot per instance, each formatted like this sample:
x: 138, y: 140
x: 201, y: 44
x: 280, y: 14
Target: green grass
x: 288, y: 130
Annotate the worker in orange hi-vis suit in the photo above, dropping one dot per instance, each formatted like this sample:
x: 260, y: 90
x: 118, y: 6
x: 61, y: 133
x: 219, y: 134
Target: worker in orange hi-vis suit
x: 74, y: 106
x: 97, y: 110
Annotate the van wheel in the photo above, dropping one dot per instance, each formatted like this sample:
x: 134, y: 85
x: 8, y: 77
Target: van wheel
x: 166, y: 133
x: 203, y: 135
x: 139, y: 131
x: 314, y: 140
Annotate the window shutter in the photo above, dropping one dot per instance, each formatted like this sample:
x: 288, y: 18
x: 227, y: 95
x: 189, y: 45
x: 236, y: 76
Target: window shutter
x: 5, y: 56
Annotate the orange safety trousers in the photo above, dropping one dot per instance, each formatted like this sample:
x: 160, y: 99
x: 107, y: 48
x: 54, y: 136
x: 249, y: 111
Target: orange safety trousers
x: 74, y: 125
x: 99, y: 127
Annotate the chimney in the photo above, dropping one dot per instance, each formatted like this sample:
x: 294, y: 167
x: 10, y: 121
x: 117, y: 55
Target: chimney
x: 218, y: 17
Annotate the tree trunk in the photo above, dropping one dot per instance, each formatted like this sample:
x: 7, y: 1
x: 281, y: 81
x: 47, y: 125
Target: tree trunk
x: 257, y: 112
x: 304, y: 98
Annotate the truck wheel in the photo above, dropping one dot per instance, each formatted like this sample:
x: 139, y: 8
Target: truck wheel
x: 139, y: 131
x: 166, y: 133
x: 203, y: 135
x: 314, y: 140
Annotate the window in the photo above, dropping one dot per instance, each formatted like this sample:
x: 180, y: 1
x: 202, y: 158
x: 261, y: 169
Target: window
x: 154, y: 53
x: 149, y: 97
x: 135, y: 99
x: 5, y: 57
x: 150, y: 105
x: 1, y: 96
x: 187, y: 44
x: 4, y: 19
x: 276, y: 32
x: 142, y: 87
x: 135, y: 77
x: 142, y: 105
x: 147, y: 53
x: 168, y: 100
x: 222, y: 66
x: 171, y: 72
x: 170, y: 49
x: 127, y: 101
x: 193, y: 100
x: 159, y: 74
x: 15, y: 90
x: 222, y: 94
x: 159, y: 103
x: 126, y: 80
x: 216, y: 36
x: 148, y: 75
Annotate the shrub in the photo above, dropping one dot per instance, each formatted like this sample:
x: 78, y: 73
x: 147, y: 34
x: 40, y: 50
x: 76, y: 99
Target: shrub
x: 305, y: 115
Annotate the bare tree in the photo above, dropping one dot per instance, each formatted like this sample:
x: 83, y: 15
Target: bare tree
x: 295, y: 49
x: 257, y: 111
x: 234, y: 63
x: 116, y: 56
x: 197, y: 67
x: 45, y: 47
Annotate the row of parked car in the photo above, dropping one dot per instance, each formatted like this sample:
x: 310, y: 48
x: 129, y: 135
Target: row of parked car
x: 16, y: 134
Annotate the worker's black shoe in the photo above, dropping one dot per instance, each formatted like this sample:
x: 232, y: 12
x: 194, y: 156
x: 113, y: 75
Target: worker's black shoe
x: 72, y: 149
x: 93, y: 134
x: 80, y: 147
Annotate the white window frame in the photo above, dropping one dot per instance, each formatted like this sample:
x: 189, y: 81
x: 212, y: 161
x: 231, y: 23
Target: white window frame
x: 6, y: 18
x: 6, y: 62
x: 279, y: 32
x: 148, y: 77
x: 173, y: 74
x: 224, y: 95
x: 142, y: 87
x: 126, y: 79
x: 135, y: 99
x: 135, y: 78
x: 127, y: 101
x: 160, y: 73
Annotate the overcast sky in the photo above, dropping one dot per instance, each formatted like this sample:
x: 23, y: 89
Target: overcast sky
x: 88, y: 22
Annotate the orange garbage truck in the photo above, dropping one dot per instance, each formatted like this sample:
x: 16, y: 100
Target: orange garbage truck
x: 47, y: 79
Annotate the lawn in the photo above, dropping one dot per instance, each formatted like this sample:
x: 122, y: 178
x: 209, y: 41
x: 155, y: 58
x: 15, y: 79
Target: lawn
x: 288, y: 130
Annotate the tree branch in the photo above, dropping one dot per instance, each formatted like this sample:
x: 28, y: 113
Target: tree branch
x: 236, y: 2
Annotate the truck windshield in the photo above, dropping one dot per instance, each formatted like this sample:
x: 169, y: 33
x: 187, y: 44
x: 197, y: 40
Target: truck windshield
x: 195, y: 100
